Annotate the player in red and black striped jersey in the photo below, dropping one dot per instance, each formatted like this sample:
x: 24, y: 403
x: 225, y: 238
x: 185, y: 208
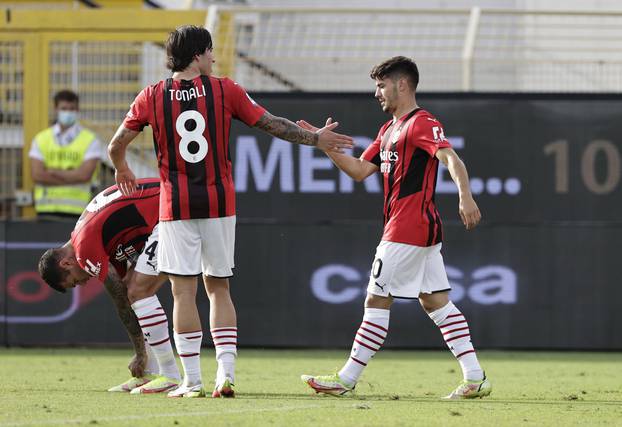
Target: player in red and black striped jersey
x: 114, y: 228
x: 190, y: 115
x: 405, y: 153
x: 122, y: 232
x: 408, y: 262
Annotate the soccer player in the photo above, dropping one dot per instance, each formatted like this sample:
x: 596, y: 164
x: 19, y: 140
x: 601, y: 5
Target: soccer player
x: 408, y: 261
x: 122, y: 232
x: 190, y: 115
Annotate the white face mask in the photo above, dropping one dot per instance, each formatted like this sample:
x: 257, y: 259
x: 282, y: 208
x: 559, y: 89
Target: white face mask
x: 67, y: 117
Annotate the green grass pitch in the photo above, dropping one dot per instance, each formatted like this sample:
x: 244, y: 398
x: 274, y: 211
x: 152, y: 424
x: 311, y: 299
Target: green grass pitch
x: 400, y: 388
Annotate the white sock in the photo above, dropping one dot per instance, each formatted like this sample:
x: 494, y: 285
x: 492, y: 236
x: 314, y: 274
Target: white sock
x: 154, y: 324
x: 152, y: 363
x: 368, y: 340
x: 455, y: 330
x: 225, y: 342
x: 189, y: 349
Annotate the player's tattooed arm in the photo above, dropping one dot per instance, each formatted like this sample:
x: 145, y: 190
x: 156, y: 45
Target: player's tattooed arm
x: 285, y: 129
x: 118, y: 293
x: 324, y: 139
x: 121, y: 139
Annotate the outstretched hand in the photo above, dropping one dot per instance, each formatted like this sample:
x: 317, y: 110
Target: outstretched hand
x: 328, y: 141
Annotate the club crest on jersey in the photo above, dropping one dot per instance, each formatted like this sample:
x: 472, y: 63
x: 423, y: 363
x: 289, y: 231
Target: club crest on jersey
x: 93, y: 269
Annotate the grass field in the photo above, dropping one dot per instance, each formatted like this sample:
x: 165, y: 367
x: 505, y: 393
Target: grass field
x: 67, y: 387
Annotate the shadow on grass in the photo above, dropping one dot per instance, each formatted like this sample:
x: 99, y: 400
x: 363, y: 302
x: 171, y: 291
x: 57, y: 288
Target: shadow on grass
x: 423, y: 399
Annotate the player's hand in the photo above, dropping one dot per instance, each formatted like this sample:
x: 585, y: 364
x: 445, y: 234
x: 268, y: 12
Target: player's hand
x: 328, y: 141
x: 137, y: 366
x: 126, y: 181
x: 308, y: 126
x: 469, y: 213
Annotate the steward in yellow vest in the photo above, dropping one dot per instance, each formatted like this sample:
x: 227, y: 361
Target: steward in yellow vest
x: 64, y: 160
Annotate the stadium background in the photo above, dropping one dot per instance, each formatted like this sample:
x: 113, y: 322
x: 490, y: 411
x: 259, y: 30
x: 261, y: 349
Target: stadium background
x: 528, y: 95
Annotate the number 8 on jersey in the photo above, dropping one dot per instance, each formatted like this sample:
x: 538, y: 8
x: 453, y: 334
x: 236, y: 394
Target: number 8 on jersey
x: 194, y: 135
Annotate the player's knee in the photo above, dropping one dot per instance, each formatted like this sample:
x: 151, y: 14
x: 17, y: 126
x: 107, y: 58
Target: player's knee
x: 133, y: 294
x: 141, y: 287
x: 184, y: 291
x: 216, y: 287
x: 432, y: 302
x: 376, y: 301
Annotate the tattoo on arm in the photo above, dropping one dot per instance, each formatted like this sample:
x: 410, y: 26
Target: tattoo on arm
x: 285, y: 129
x: 118, y: 293
x: 122, y: 135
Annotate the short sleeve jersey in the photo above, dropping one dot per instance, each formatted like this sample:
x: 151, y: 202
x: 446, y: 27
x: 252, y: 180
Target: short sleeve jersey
x: 191, y: 121
x: 405, y: 152
x: 114, y: 228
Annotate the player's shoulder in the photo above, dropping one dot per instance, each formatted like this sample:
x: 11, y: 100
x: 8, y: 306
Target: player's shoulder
x: 151, y: 89
x: 424, y: 116
x: 386, y: 125
x: 85, y: 238
x: 227, y: 83
x: 423, y: 119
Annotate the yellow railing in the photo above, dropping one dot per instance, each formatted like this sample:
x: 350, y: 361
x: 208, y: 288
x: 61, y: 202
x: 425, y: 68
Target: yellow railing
x: 105, y: 55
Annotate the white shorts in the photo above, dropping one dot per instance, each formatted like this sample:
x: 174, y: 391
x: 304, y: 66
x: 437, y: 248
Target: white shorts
x: 147, y: 262
x: 193, y: 246
x: 405, y: 271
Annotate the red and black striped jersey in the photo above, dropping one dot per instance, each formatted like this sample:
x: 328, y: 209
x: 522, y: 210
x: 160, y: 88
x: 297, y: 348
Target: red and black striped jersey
x: 191, y: 120
x: 405, y: 152
x: 114, y: 228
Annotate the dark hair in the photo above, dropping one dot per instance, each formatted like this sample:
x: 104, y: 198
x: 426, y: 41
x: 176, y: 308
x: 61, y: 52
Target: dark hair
x: 50, y: 269
x: 398, y: 66
x: 184, y: 43
x: 66, y: 95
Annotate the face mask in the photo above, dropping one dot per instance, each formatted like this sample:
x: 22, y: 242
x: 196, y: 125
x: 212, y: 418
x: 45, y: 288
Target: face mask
x: 67, y: 118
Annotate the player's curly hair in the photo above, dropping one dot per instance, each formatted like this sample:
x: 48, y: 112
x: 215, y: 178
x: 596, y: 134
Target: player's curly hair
x: 50, y: 269
x: 398, y: 66
x: 184, y: 44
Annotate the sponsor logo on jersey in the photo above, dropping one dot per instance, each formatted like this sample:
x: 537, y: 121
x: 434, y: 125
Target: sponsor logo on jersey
x: 118, y: 254
x: 124, y: 254
x: 388, y: 157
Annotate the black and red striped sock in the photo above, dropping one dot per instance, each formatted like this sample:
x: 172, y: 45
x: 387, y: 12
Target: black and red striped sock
x: 226, y: 343
x: 189, y: 349
x: 456, y: 334
x: 154, y: 324
x: 368, y: 340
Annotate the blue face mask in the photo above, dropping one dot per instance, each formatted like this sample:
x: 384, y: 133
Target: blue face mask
x: 67, y: 117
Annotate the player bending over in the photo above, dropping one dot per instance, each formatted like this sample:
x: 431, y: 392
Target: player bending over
x: 123, y: 232
x: 408, y: 261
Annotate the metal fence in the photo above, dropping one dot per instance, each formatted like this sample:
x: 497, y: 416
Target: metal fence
x: 333, y: 49
x: 106, y: 56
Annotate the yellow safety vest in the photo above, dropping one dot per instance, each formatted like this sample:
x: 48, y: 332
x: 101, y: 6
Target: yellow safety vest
x: 67, y: 199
